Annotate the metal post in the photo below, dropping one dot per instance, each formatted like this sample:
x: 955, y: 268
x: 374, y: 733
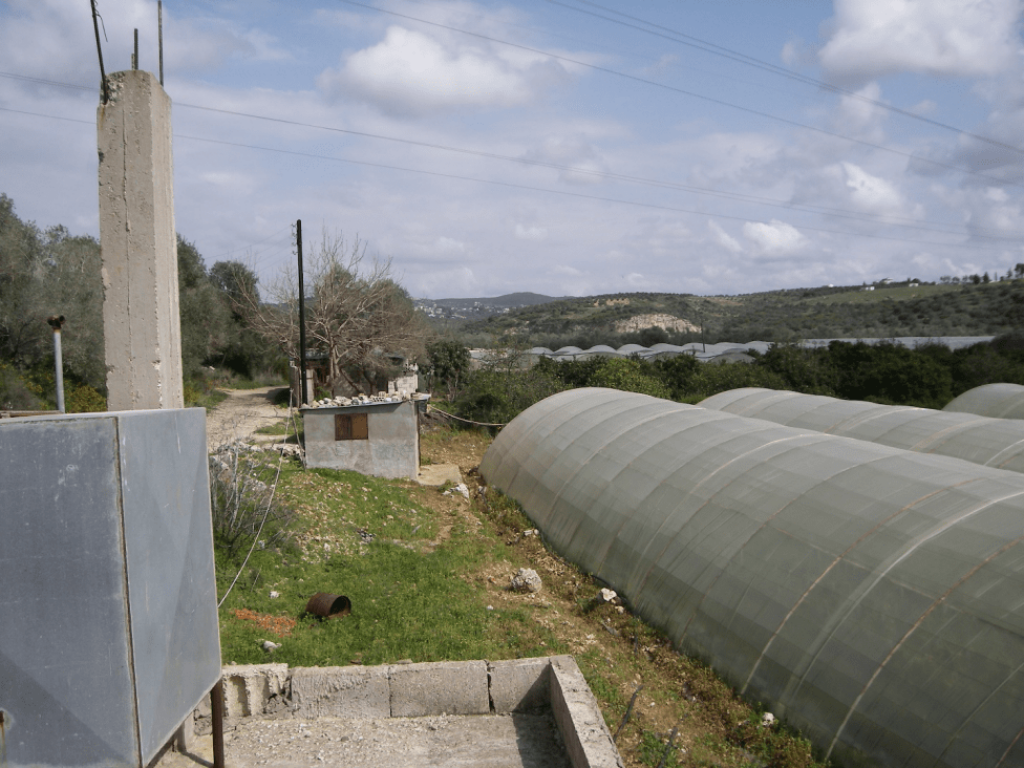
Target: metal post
x: 302, y: 317
x: 55, y: 322
x: 160, y: 36
x: 99, y: 52
x: 135, y: 56
x: 217, y: 713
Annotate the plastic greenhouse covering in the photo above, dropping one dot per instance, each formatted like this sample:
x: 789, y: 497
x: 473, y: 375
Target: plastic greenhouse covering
x: 873, y: 596
x: 1000, y: 401
x: 978, y: 439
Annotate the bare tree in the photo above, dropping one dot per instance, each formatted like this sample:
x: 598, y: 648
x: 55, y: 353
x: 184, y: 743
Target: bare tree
x: 357, y: 316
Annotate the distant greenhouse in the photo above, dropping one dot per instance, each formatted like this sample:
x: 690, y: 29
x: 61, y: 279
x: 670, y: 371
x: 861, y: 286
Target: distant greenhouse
x: 872, y: 596
x: 1001, y: 401
x: 731, y: 351
x: 992, y: 442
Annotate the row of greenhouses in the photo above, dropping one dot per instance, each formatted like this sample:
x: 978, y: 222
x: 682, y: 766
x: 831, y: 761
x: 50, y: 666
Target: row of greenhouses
x: 871, y: 595
x: 993, y: 442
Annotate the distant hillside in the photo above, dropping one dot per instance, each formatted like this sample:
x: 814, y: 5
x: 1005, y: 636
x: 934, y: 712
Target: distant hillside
x: 478, y: 309
x: 879, y: 311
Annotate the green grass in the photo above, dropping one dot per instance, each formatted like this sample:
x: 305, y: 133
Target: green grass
x: 408, y: 597
x: 286, y: 428
x: 207, y: 400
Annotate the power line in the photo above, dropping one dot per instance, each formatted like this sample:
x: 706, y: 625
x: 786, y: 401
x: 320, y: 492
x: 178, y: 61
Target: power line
x: 742, y: 58
x: 683, y: 91
x: 839, y: 212
x: 565, y: 193
x: 756, y: 199
x: 1010, y: 239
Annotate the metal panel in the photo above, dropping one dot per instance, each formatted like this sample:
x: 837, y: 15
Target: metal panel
x: 171, y: 582
x: 108, y: 625
x: 65, y: 672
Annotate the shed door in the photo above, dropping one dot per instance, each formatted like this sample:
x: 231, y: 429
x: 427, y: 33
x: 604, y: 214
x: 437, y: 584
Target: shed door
x: 351, y: 426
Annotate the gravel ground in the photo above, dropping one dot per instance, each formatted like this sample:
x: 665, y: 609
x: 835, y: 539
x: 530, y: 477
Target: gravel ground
x: 493, y: 741
x: 241, y: 414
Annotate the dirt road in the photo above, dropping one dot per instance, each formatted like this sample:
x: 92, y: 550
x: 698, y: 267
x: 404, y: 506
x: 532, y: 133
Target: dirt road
x: 244, y: 411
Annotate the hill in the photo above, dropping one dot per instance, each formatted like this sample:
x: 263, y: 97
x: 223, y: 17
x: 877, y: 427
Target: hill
x: 880, y: 311
x: 476, y: 309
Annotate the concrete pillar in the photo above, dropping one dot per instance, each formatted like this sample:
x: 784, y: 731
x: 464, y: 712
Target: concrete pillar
x: 141, y: 320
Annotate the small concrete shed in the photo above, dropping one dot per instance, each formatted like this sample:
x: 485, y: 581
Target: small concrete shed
x: 374, y: 438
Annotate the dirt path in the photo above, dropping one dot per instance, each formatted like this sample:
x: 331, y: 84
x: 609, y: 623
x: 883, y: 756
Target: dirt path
x: 244, y: 411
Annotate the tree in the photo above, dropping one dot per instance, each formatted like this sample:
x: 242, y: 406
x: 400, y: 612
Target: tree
x: 43, y: 274
x: 205, y: 317
x: 357, y: 316
x: 448, y: 365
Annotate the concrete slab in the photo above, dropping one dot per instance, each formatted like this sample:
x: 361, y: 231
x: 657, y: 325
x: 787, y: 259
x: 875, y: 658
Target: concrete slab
x: 486, y: 741
x: 248, y: 688
x: 436, y: 475
x: 442, y: 688
x: 520, y: 685
x: 507, y: 714
x: 341, y: 692
x: 587, y: 738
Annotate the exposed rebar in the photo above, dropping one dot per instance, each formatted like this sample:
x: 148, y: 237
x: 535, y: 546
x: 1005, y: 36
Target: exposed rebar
x: 99, y: 51
x: 160, y: 37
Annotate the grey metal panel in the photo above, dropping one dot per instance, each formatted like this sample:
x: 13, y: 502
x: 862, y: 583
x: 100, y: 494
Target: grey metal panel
x: 109, y: 634
x: 871, y: 595
x: 171, y: 581
x: 65, y: 676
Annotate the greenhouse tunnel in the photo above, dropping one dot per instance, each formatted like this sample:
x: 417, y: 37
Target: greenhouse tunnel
x: 1000, y: 401
x: 874, y: 597
x: 981, y: 440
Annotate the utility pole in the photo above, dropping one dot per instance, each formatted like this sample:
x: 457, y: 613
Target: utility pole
x: 302, y: 317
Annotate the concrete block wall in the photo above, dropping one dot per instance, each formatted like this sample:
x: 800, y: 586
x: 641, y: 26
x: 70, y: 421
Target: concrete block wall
x: 421, y: 690
x: 392, y: 448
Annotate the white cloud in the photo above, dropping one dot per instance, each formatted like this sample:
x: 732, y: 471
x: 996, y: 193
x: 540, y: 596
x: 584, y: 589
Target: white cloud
x: 530, y: 233
x: 448, y: 245
x: 869, y: 193
x: 993, y: 211
x: 723, y: 238
x: 860, y: 114
x: 777, y: 238
x: 958, y: 38
x: 55, y: 37
x: 571, y: 152
x: 409, y: 72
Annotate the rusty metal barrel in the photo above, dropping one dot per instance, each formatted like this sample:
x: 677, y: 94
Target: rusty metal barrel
x: 329, y: 606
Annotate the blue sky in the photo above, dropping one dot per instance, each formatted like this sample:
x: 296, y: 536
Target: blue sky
x: 617, y: 158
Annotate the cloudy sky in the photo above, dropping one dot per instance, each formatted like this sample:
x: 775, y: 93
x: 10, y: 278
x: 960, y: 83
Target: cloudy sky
x: 566, y: 147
